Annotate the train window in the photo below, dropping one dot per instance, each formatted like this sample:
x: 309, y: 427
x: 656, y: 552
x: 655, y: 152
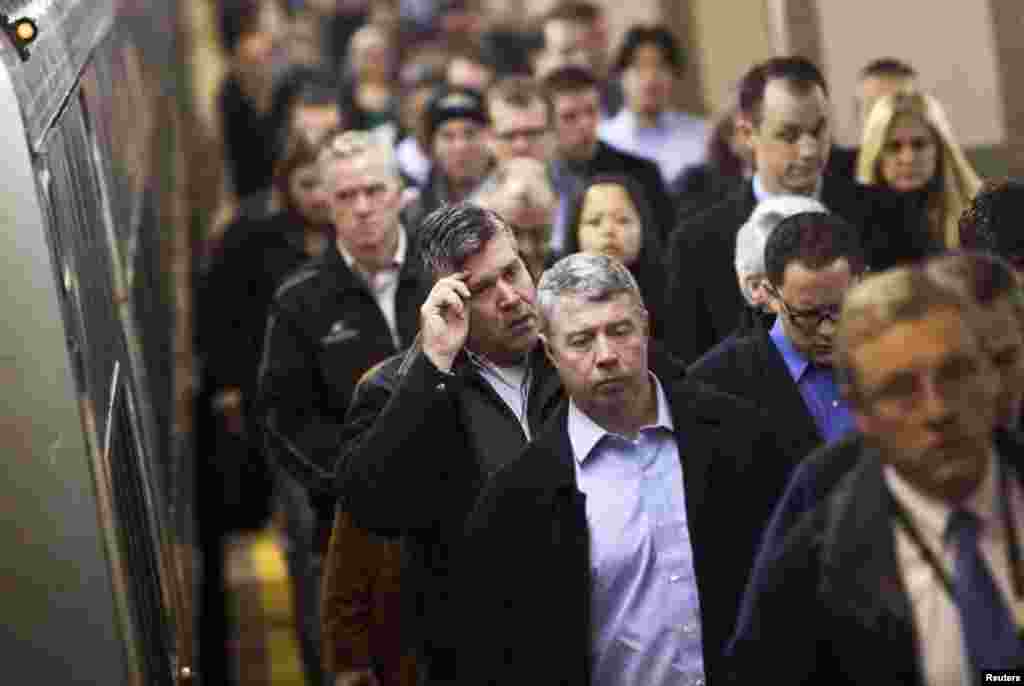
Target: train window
x: 138, y: 555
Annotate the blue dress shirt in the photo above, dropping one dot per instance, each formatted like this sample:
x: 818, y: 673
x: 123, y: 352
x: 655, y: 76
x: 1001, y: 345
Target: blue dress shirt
x: 817, y: 386
x: 644, y: 604
x: 677, y: 141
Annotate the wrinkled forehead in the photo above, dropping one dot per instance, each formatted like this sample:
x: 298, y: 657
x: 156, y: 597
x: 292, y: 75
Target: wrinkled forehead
x: 573, y: 312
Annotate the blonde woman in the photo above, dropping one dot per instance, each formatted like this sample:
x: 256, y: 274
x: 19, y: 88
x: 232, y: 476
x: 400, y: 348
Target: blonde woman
x: 908, y: 146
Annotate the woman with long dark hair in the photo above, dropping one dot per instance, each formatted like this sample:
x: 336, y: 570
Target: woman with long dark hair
x: 611, y: 216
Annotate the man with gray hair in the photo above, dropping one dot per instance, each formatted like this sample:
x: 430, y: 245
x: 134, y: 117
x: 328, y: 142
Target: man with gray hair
x: 753, y: 235
x: 340, y: 314
x: 635, y: 569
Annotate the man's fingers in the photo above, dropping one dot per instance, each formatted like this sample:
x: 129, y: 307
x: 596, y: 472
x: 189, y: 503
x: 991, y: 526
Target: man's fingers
x: 457, y: 283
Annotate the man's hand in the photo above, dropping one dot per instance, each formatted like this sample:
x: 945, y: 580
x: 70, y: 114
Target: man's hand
x: 444, y: 320
x: 360, y: 677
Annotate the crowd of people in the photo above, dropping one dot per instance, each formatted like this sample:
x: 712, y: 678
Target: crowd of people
x: 549, y: 382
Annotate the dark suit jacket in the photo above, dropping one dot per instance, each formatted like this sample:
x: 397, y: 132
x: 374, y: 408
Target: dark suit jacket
x: 703, y: 293
x: 831, y: 602
x: 752, y: 368
x: 610, y: 160
x: 420, y: 446
x: 525, y: 569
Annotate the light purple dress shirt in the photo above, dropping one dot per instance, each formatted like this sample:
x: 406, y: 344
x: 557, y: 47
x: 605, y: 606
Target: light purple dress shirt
x: 679, y: 140
x: 645, y: 610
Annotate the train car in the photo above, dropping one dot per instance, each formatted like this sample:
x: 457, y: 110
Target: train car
x: 96, y: 494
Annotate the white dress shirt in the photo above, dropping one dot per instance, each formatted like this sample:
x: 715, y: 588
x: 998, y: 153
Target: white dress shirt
x: 941, y: 649
x: 677, y: 141
x: 383, y: 283
x: 512, y: 384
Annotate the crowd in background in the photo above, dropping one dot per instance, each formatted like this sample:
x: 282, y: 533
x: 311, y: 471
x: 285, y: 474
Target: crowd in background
x: 455, y: 250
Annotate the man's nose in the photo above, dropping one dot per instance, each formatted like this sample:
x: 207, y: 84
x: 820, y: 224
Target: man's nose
x: 361, y: 203
x: 508, y: 296
x: 605, y: 352
x: 810, y: 146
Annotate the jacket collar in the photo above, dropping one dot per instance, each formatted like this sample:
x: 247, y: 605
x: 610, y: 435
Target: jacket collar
x: 345, y: 277
x: 859, y: 546
x: 859, y: 554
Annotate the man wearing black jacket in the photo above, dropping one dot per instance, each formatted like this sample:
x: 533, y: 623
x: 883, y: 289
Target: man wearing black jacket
x: 907, y: 572
x: 341, y: 314
x: 784, y: 116
x: 430, y: 430
x: 614, y: 551
x: 811, y: 259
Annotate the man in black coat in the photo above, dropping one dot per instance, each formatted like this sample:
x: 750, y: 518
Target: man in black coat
x: 784, y: 116
x: 430, y: 429
x: 428, y: 432
x: 339, y: 315
x: 880, y: 582
x: 574, y: 102
x: 811, y: 260
x: 614, y: 550
x: 456, y: 131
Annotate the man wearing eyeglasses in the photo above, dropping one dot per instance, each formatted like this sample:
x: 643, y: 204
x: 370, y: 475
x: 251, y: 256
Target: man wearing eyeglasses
x: 520, y: 125
x: 909, y: 570
x: 811, y: 260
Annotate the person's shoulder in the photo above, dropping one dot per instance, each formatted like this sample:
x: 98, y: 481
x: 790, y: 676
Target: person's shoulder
x: 828, y: 464
x: 723, y: 218
x: 725, y: 357
x: 627, y: 161
x: 305, y: 281
x: 710, y: 403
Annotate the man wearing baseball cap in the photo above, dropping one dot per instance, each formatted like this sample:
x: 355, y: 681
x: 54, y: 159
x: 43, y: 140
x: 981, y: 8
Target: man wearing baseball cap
x: 455, y: 125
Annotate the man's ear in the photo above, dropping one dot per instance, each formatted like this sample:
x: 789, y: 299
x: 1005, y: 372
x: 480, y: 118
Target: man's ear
x: 547, y: 347
x: 755, y: 287
x: 745, y: 130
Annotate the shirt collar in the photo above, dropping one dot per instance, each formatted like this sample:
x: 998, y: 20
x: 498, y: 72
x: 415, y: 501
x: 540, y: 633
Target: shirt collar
x: 761, y: 193
x: 796, y: 362
x: 485, y: 366
x: 632, y: 122
x: 396, y: 263
x: 585, y: 433
x: 931, y: 514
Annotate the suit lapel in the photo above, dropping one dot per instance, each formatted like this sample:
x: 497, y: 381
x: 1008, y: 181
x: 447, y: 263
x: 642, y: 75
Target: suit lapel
x: 695, y: 433
x: 860, y: 560
x: 787, y: 402
x: 545, y: 392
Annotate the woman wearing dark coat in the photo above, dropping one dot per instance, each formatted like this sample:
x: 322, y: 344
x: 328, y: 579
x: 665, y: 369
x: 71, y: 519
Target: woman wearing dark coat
x: 606, y: 217
x: 254, y: 255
